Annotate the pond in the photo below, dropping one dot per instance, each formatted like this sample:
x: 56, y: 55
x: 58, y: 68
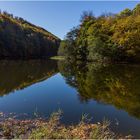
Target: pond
x: 38, y: 88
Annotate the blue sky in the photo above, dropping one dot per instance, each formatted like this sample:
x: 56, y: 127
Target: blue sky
x: 59, y: 17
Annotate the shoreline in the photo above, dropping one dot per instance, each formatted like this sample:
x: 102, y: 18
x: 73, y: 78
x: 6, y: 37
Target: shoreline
x: 51, y: 128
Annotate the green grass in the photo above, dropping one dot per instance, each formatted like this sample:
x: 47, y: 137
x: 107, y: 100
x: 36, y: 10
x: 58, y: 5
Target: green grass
x: 58, y: 58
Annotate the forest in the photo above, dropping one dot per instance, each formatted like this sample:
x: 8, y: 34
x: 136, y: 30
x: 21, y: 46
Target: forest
x: 107, y: 38
x: 21, y: 39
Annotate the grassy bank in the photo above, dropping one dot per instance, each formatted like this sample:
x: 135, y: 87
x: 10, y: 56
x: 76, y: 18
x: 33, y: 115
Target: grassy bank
x: 58, y: 58
x: 53, y: 129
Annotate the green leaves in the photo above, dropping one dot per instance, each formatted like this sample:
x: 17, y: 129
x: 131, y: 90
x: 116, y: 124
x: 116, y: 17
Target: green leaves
x: 110, y: 37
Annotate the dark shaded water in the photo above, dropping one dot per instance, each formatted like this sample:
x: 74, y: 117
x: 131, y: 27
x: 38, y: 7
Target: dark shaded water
x: 42, y: 87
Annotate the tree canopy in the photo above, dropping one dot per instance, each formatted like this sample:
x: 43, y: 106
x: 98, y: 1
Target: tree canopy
x: 21, y: 39
x: 109, y: 37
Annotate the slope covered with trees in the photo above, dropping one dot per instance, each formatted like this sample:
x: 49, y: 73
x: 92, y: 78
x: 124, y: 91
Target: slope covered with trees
x: 21, y: 39
x: 109, y: 37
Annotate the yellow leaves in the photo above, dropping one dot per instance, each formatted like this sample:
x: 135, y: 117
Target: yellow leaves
x: 131, y: 52
x: 127, y: 32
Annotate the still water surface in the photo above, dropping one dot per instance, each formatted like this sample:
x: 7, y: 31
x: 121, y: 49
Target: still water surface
x: 104, y: 92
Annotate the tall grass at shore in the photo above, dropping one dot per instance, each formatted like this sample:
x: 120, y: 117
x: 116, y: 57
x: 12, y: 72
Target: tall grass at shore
x: 53, y: 129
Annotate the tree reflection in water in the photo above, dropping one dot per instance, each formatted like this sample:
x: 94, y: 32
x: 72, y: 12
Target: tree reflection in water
x: 118, y: 85
x: 15, y: 75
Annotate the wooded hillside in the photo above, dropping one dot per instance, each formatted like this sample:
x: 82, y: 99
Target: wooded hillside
x: 109, y: 37
x: 21, y: 39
